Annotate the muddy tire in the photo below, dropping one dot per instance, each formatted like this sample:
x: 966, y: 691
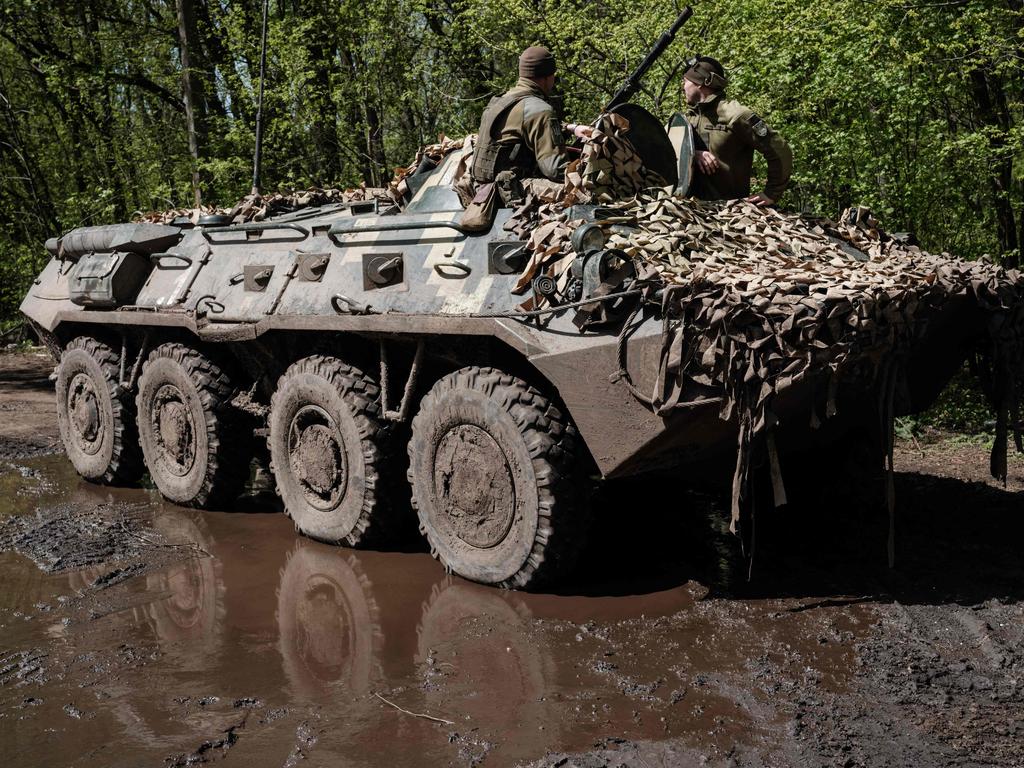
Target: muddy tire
x: 95, y: 417
x: 329, y: 450
x: 196, y: 448
x: 492, y: 468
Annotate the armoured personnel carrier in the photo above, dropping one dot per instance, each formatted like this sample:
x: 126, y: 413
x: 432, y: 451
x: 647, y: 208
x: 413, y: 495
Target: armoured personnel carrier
x: 352, y: 334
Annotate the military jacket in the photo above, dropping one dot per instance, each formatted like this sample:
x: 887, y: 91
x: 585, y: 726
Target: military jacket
x: 530, y: 134
x: 732, y: 132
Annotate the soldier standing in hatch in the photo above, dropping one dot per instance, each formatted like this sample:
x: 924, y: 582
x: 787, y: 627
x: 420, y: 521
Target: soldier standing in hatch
x: 726, y: 133
x: 520, y: 136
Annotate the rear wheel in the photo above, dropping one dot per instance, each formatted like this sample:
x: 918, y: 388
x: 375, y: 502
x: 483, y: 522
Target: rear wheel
x: 328, y: 451
x: 95, y: 417
x: 492, y: 472
x: 195, y: 450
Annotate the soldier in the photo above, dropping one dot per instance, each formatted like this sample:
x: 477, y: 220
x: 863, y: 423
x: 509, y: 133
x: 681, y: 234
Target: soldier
x: 520, y: 136
x: 726, y: 133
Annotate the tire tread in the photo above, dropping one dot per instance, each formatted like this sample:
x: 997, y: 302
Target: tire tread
x: 551, y: 441
x: 226, y: 470
x: 375, y: 526
x: 126, y: 464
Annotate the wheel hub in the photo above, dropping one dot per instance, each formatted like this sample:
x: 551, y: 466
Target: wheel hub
x: 84, y: 413
x: 474, y: 484
x: 325, y: 625
x: 317, y: 455
x: 174, y: 429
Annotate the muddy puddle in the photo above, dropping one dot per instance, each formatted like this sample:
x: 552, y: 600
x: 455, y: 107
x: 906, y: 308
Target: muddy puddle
x: 138, y: 633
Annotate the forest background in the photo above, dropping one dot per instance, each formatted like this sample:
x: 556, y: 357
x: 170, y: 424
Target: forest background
x: 113, y: 107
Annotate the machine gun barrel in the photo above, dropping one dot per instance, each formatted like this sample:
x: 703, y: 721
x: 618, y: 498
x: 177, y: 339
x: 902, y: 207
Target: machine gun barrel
x: 632, y: 84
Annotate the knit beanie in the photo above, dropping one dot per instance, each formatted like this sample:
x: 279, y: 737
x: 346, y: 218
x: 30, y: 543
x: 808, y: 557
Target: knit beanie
x: 536, y: 61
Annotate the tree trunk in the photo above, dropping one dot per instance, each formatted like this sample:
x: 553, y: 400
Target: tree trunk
x: 990, y: 103
x: 186, y: 32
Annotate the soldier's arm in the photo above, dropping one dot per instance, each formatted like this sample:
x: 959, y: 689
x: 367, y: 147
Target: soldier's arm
x: 543, y: 134
x: 776, y: 153
x: 704, y: 157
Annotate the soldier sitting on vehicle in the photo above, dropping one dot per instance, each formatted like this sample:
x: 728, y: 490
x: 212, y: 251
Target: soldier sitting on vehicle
x: 520, y: 136
x: 726, y: 133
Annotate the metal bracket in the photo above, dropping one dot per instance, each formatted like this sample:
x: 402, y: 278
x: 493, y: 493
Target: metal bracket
x: 158, y: 260
x: 256, y: 276
x: 462, y: 268
x: 363, y: 207
x: 410, y: 384
x: 246, y: 232
x: 343, y: 305
x: 129, y: 384
x: 506, y: 257
x: 382, y: 269
x: 207, y: 305
x: 245, y: 401
x: 312, y: 266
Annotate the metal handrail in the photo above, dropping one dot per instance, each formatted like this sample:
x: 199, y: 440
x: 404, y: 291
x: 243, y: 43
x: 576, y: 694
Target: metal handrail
x: 256, y: 227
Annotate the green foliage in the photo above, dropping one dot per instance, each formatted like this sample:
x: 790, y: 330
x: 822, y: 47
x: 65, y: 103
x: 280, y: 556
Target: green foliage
x: 913, y: 109
x: 18, y: 267
x: 961, y: 408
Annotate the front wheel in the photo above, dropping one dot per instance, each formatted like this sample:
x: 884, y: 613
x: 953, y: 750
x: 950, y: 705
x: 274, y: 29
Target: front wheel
x: 492, y: 473
x: 95, y: 417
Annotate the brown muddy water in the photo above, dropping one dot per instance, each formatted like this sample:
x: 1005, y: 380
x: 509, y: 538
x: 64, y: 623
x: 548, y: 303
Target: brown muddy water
x: 137, y: 633
x: 162, y: 635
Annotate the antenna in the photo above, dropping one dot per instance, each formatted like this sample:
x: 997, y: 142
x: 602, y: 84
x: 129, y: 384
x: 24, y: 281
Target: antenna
x: 259, y: 106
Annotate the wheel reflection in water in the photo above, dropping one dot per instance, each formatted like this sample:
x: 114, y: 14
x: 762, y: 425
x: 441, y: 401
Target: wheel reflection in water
x: 476, y: 644
x: 193, y: 610
x: 327, y: 618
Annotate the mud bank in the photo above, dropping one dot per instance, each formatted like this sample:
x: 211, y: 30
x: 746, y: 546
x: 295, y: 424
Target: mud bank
x: 134, y: 632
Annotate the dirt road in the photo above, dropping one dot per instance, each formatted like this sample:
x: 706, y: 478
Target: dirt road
x: 134, y: 633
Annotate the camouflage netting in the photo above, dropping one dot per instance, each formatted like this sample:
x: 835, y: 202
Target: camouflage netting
x: 260, y: 207
x: 433, y: 154
x: 609, y: 168
x: 756, y: 301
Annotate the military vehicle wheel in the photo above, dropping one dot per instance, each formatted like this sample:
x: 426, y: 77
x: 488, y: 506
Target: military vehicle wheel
x: 491, y: 466
x: 194, y: 451
x: 96, y: 419
x: 328, y: 451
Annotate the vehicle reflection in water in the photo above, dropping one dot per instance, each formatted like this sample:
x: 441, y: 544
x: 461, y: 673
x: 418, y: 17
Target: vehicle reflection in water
x: 187, y: 595
x: 354, y: 624
x: 233, y: 606
x: 479, y: 641
x: 328, y: 623
x: 193, y: 610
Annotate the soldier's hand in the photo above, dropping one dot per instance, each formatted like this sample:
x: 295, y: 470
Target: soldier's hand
x: 580, y: 131
x: 761, y: 200
x: 707, y: 162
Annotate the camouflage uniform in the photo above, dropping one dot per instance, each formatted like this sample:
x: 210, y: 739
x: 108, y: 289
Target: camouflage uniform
x: 732, y: 132
x: 528, y: 135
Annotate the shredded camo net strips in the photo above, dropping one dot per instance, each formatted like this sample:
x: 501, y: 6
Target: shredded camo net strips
x: 755, y: 301
x: 259, y: 207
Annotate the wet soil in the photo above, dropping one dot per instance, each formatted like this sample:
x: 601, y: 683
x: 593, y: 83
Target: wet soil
x: 134, y: 632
